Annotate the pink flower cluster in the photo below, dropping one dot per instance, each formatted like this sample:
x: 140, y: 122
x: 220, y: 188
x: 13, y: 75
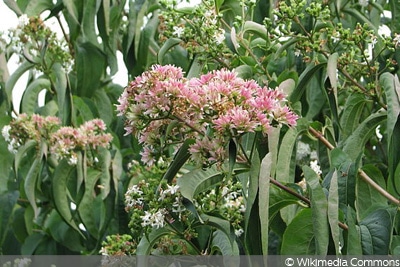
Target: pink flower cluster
x: 68, y: 140
x: 64, y: 142
x: 162, y: 107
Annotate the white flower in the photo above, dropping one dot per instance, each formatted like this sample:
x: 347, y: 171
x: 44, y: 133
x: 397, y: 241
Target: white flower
x: 363, y: 3
x: 178, y: 31
x: 297, y: 53
x: 219, y: 36
x: 6, y: 132
x: 239, y: 232
x: 336, y: 37
x: 172, y: 189
x: 315, y: 166
x: 73, y: 160
x: 155, y: 220
x: 303, y: 150
x: 396, y: 40
x: 23, y: 20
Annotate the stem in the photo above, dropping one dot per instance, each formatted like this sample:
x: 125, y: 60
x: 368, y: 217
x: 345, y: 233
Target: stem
x: 302, y: 198
x: 361, y: 173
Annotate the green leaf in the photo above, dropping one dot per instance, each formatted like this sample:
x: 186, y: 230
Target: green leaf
x: 104, y: 106
x: 90, y: 66
x: 264, y: 184
x: 304, y: 78
x: 376, y: 231
x: 59, y: 79
x: 72, y: 10
x: 90, y: 8
x: 256, y: 28
x: 31, y: 144
x: 350, y: 117
x: 319, y: 208
x: 62, y: 232
x: 30, y: 97
x: 31, y: 243
x: 169, y: 44
x: 232, y: 156
x: 354, y: 145
x: 221, y: 242
x: 12, y: 4
x: 346, y: 176
x: 36, y: 7
x: 391, y: 86
x: 286, y: 156
x: 278, y: 199
x: 105, y: 178
x: 7, y: 203
x: 195, y: 68
x: 333, y: 212
x: 355, y: 13
x: 367, y: 198
x: 13, y: 79
x: 62, y: 174
x: 353, y: 240
x: 87, y: 207
x: 251, y: 222
x: 331, y: 70
x: 179, y: 160
x: 299, y: 237
x: 147, y: 242
x: 221, y: 224
x: 30, y: 183
x: 198, y: 180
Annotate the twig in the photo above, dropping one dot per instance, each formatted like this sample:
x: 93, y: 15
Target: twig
x: 362, y: 174
x: 304, y: 199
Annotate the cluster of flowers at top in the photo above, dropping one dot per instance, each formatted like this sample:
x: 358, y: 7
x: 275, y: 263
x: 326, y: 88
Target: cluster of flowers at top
x: 64, y: 142
x: 200, y: 29
x: 34, y: 41
x: 163, y: 108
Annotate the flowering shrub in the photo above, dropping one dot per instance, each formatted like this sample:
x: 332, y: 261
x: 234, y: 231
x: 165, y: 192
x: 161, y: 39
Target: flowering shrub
x: 64, y: 142
x: 212, y: 110
x: 206, y: 157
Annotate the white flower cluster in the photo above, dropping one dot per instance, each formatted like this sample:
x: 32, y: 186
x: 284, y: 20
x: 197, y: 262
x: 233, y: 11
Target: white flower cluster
x: 134, y: 196
x: 154, y: 219
x: 13, y: 144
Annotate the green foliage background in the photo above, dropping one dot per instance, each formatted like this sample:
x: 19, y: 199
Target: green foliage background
x: 341, y: 93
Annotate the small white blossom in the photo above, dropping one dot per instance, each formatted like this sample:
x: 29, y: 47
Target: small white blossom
x: 73, y: 160
x: 303, y: 150
x: 336, y: 37
x: 239, y: 232
x: 155, y: 220
x: 396, y: 40
x: 363, y: 3
x: 23, y: 20
x: 178, y: 31
x: 6, y: 133
x: 315, y: 166
x: 219, y: 36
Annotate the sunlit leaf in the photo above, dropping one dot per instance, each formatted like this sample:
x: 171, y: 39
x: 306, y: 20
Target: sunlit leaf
x: 333, y: 212
x: 319, y: 208
x: 198, y: 181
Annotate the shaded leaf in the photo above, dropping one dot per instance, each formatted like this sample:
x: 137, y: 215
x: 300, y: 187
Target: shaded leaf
x: 299, y: 237
x: 376, y: 231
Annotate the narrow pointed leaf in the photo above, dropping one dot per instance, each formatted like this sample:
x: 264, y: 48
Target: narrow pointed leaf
x: 62, y: 173
x: 198, y: 180
x: 319, y: 208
